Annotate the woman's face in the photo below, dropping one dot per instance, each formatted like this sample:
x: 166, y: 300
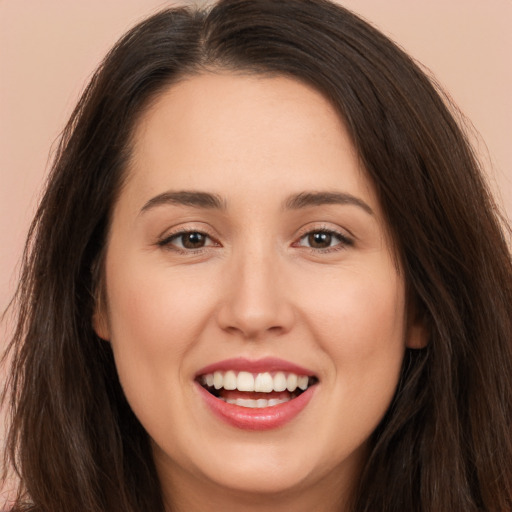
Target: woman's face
x: 248, y: 251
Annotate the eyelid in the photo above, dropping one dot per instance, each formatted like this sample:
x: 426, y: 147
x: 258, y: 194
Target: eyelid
x: 346, y: 239
x: 165, y: 240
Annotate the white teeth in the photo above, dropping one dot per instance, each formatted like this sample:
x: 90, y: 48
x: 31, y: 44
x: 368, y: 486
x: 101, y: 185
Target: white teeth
x: 218, y: 380
x: 245, y: 381
x: 264, y: 383
x: 260, y: 382
x: 302, y: 382
x: 279, y: 381
x: 230, y: 380
x: 291, y: 382
x: 256, y: 404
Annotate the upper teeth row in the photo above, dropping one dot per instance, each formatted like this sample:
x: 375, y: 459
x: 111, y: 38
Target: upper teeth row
x: 260, y: 382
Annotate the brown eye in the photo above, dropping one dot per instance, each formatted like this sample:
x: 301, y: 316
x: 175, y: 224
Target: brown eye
x: 320, y: 240
x: 187, y: 241
x: 324, y: 239
x: 193, y: 240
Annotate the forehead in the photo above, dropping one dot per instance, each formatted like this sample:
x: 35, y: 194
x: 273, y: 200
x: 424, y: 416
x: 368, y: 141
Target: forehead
x: 232, y: 133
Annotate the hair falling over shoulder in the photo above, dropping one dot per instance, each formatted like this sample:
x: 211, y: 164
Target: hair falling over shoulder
x: 446, y: 442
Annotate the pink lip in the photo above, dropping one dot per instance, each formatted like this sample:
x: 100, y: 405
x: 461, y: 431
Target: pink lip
x: 267, y: 364
x: 265, y: 418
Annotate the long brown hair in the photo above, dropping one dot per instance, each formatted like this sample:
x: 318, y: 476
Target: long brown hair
x: 446, y: 441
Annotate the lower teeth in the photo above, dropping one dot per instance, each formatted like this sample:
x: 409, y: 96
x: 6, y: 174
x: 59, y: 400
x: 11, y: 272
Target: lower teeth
x: 255, y: 404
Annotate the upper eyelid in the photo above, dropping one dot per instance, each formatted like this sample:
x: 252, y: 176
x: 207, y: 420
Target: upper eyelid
x: 179, y: 230
x: 343, y: 233
x: 344, y: 239
x: 166, y: 241
x: 323, y: 227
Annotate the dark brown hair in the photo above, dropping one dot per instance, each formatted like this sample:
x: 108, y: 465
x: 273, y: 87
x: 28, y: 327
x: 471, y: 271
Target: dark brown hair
x: 446, y: 441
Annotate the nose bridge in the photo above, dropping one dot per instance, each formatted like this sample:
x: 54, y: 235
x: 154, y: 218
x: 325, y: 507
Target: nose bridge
x: 255, y: 302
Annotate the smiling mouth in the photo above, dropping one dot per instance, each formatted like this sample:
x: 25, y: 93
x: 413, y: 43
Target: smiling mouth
x: 255, y: 390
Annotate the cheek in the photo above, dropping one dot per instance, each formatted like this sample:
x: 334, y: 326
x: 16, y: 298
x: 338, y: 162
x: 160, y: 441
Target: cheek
x: 361, y: 328
x: 155, y: 310
x: 359, y: 321
x: 364, y: 308
x: 156, y: 317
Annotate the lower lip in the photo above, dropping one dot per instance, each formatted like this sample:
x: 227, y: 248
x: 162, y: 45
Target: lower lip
x: 265, y: 418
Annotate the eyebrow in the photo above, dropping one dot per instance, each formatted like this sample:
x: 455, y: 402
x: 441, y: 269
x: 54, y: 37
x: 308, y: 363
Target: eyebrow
x: 213, y: 201
x: 308, y: 199
x: 186, y: 198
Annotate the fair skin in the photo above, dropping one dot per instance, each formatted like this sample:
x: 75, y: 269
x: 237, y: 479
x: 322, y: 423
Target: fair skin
x: 287, y: 257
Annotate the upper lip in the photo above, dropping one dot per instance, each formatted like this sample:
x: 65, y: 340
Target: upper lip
x: 266, y: 364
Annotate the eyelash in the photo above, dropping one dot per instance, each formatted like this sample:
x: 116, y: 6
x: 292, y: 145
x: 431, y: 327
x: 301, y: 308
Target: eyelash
x: 167, y: 242
x: 343, y: 241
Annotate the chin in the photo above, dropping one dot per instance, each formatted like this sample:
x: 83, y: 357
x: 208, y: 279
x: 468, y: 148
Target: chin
x: 262, y: 478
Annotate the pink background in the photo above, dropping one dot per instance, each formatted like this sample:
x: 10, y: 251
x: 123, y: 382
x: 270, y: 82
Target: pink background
x: 49, y: 49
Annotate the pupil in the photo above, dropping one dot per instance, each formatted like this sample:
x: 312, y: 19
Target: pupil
x: 193, y: 240
x: 320, y: 240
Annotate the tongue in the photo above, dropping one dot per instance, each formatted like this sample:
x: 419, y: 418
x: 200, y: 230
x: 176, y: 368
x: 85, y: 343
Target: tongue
x: 234, y: 394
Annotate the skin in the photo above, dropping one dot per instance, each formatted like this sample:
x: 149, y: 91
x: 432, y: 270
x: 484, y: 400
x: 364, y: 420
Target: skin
x: 257, y: 288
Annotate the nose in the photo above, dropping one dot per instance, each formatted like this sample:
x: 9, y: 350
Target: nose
x: 254, y: 302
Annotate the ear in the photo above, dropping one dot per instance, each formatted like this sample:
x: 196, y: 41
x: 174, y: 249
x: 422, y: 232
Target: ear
x: 417, y: 334
x: 100, y: 322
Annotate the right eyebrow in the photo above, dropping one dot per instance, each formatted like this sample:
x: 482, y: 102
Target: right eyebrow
x: 309, y: 199
x: 186, y: 198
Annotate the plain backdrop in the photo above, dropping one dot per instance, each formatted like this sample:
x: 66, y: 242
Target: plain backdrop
x: 49, y: 49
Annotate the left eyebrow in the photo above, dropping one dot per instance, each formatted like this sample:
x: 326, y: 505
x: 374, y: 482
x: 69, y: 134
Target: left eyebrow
x: 186, y: 198
x: 308, y: 199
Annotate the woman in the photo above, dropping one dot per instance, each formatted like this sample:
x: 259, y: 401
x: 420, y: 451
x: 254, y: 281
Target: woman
x: 266, y: 274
